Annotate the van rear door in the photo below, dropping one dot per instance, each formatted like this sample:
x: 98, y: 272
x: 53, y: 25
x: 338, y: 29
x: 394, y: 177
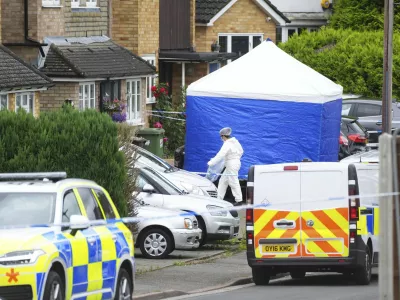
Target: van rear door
x: 324, y: 210
x: 276, y: 213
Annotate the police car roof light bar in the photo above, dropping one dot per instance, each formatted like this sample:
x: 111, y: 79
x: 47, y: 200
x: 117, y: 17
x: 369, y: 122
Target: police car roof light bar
x: 53, y: 176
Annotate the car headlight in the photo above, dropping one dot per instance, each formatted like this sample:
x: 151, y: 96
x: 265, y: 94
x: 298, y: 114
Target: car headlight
x: 192, y: 189
x: 217, y: 210
x: 188, y: 224
x: 20, y: 257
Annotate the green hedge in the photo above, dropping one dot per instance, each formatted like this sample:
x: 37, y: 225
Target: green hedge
x: 350, y: 58
x: 84, y: 144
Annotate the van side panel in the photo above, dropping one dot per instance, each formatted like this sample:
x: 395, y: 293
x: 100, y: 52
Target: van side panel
x: 324, y: 212
x: 277, y: 219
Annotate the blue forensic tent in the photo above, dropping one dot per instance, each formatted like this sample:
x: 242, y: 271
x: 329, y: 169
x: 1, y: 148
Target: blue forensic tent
x: 278, y: 108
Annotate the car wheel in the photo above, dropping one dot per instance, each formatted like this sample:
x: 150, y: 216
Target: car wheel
x: 261, y: 276
x: 54, y: 289
x: 124, y: 286
x: 156, y: 243
x: 363, y: 274
x: 298, y: 274
x: 203, y: 228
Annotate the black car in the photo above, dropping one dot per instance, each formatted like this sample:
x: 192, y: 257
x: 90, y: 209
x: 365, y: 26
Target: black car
x: 369, y: 115
x: 355, y: 133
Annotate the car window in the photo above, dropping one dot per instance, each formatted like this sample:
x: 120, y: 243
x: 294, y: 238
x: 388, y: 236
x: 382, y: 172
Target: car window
x: 70, y: 206
x: 352, y: 127
x: 366, y: 110
x: 141, y: 182
x: 167, y: 185
x: 105, y: 204
x: 346, y: 109
x: 153, y: 162
x: 27, y: 208
x: 92, y: 208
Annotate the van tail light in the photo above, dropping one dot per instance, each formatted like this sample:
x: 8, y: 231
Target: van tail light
x: 250, y: 193
x: 354, y: 204
x: 343, y: 140
x: 249, y: 215
x: 357, y: 138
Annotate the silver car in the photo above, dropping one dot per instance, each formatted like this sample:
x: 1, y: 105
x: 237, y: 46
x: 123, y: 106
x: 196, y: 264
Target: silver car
x: 162, y: 231
x: 217, y: 219
x: 192, y: 183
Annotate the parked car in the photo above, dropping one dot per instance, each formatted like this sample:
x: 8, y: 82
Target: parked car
x: 40, y: 259
x: 158, y: 237
x: 216, y: 218
x: 365, y: 157
x: 344, y: 149
x: 369, y: 115
x: 193, y: 183
x: 355, y: 133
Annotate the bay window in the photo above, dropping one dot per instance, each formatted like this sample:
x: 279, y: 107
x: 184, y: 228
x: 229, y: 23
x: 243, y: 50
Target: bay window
x: 87, y: 96
x: 134, y: 103
x: 150, y: 81
x: 25, y: 101
x: 3, y: 101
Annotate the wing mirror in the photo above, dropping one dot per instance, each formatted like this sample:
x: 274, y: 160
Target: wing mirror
x: 77, y: 223
x: 148, y: 188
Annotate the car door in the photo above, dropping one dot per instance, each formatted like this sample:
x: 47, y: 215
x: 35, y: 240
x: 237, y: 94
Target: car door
x: 153, y: 199
x: 95, y: 254
x: 369, y: 115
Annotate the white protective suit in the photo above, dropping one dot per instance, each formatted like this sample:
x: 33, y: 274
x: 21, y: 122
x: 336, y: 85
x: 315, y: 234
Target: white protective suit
x: 231, y: 151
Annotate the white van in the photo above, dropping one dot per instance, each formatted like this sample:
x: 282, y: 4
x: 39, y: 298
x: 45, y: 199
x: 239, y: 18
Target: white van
x: 308, y: 217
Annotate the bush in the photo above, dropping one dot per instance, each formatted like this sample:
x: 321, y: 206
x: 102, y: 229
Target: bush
x: 350, y: 58
x: 83, y: 144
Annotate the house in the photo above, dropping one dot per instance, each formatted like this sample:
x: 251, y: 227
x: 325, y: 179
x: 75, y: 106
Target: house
x: 303, y: 15
x: 70, y: 40
x: 21, y: 85
x: 180, y: 36
x: 88, y: 70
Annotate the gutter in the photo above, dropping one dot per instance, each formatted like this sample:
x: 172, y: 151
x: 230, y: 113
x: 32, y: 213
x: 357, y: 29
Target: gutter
x: 29, y: 42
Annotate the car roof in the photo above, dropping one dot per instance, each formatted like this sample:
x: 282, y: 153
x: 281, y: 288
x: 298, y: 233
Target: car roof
x: 372, y: 101
x: 41, y: 186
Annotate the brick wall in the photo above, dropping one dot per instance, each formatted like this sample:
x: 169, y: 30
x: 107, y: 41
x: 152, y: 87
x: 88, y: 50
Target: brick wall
x: 0, y: 22
x: 12, y: 21
x: 148, y: 35
x: 84, y: 23
x: 50, y: 22
x: 243, y: 17
x: 193, y: 22
x: 125, y: 23
x: 54, y: 98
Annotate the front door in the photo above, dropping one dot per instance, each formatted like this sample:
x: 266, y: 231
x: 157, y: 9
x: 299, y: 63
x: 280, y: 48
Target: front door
x: 277, y: 219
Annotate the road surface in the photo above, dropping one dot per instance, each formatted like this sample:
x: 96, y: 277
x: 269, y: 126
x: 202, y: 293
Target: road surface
x: 326, y: 287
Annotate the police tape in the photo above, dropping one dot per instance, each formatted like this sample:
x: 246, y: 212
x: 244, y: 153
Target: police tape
x: 167, y: 112
x: 165, y: 117
x: 217, y: 211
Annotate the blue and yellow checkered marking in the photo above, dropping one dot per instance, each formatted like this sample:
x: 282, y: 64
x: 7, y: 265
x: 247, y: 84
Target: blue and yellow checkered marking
x: 368, y: 223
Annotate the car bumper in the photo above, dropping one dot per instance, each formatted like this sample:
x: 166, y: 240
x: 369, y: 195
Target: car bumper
x: 222, y: 228
x: 186, y: 239
x: 21, y: 282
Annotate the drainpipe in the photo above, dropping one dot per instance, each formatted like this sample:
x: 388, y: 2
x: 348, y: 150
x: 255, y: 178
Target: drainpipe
x: 29, y: 42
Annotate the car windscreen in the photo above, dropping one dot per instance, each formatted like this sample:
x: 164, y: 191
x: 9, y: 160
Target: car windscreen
x: 24, y: 209
x: 352, y: 127
x: 153, y: 161
x: 167, y: 185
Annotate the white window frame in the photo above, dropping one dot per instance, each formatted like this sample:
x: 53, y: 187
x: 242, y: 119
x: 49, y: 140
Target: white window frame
x: 132, y: 101
x: 75, y: 3
x: 229, y: 40
x: 1, y: 96
x: 25, y: 107
x: 91, y: 3
x: 150, y: 80
x: 91, y: 95
x: 51, y: 3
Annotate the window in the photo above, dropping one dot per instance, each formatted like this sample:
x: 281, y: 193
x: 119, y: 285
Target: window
x: 51, y: 3
x: 133, y: 100
x: 111, y: 89
x: 346, y: 109
x: 214, y: 66
x: 3, y: 102
x: 291, y: 32
x: 25, y: 101
x: 105, y: 204
x: 79, y: 3
x: 91, y: 3
x: 278, y: 35
x: 87, y: 96
x: 239, y: 43
x: 75, y: 3
x: 92, y: 208
x: 70, y: 206
x: 366, y: 110
x: 150, y: 81
x: 141, y: 182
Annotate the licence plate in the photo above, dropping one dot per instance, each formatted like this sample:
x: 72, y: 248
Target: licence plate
x: 278, y: 248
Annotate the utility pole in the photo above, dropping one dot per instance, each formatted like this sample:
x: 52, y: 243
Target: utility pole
x: 388, y: 260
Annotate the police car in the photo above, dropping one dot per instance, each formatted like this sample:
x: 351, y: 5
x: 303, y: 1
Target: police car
x: 62, y: 239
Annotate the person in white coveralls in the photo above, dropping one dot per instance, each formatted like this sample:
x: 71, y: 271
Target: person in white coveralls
x: 231, y: 151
